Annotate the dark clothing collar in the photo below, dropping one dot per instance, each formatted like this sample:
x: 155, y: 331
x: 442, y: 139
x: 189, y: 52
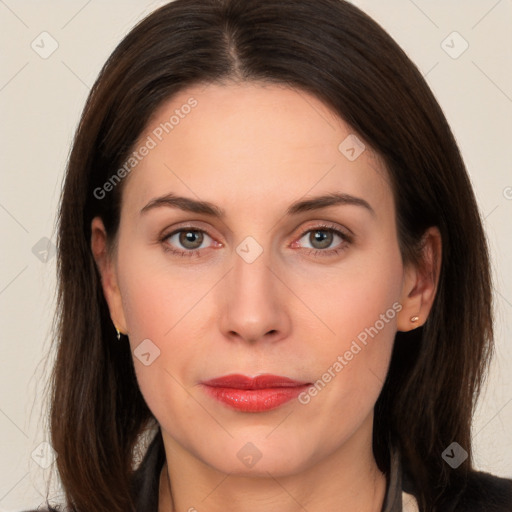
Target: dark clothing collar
x: 147, y: 478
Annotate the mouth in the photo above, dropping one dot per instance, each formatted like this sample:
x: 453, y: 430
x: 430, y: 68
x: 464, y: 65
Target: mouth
x: 254, y: 394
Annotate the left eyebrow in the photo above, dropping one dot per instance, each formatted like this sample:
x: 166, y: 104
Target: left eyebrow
x: 204, y: 207
x: 324, y: 201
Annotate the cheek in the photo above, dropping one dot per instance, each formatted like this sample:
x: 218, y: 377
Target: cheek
x: 357, y: 295
x: 156, y: 294
x: 150, y: 305
x: 359, y: 306
x: 168, y: 313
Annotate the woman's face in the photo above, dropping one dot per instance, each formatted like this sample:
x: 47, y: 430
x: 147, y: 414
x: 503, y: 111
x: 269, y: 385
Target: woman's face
x: 264, y: 279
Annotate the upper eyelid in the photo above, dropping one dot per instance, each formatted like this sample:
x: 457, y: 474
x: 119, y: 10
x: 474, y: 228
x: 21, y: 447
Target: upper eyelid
x: 327, y: 226
x: 315, y: 225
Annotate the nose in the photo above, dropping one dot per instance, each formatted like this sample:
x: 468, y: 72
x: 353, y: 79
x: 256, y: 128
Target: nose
x: 254, y: 305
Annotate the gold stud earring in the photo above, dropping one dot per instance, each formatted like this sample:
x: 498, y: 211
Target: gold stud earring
x: 118, y: 333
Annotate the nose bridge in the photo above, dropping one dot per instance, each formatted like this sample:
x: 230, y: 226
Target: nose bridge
x: 253, y: 306
x: 252, y: 277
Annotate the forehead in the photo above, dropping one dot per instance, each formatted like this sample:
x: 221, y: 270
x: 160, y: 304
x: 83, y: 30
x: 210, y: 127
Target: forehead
x: 254, y: 144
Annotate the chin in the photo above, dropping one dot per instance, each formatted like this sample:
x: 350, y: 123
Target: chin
x: 257, y: 456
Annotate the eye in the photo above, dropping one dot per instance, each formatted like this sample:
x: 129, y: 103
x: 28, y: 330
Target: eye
x: 186, y: 241
x: 324, y: 241
x: 190, y: 241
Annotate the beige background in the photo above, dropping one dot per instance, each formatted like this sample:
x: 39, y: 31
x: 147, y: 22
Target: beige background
x: 41, y: 100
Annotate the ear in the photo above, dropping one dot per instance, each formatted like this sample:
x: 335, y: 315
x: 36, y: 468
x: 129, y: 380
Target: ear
x: 107, y: 269
x: 420, y: 283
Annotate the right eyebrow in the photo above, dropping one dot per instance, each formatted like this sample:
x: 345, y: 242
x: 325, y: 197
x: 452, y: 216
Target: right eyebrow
x: 186, y: 204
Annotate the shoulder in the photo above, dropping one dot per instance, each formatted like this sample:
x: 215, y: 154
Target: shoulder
x: 486, y: 493
x: 480, y: 492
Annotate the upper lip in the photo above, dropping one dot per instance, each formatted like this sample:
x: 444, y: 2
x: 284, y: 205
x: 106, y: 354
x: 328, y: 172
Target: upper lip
x: 259, y: 382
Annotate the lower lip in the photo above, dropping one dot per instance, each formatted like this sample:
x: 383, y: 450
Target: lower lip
x: 255, y: 400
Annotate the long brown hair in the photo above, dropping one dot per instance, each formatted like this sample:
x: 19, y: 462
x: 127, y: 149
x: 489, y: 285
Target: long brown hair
x: 334, y: 51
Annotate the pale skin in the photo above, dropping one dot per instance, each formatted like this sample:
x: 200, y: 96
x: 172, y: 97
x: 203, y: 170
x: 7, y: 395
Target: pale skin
x: 252, y: 150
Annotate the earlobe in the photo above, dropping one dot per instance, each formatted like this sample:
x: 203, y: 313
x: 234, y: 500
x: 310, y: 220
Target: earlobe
x: 107, y: 271
x: 420, y: 283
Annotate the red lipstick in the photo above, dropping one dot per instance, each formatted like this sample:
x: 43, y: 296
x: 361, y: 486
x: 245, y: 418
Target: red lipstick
x: 258, y: 394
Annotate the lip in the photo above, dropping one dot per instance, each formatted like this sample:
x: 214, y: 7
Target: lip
x: 254, y: 394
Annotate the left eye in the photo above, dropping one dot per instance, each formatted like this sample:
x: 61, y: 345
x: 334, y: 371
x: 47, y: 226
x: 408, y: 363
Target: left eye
x: 322, y: 238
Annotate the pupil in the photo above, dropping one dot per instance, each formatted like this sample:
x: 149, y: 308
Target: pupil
x: 323, y: 237
x: 191, y: 239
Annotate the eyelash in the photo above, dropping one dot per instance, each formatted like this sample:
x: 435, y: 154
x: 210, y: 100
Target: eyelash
x: 322, y: 253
